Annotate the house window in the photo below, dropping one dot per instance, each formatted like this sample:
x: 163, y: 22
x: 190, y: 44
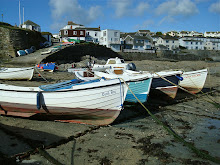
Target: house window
x: 95, y: 33
x: 136, y: 41
x: 104, y: 33
x: 65, y: 32
x: 116, y: 34
x: 196, y: 43
x: 173, y: 41
x: 74, y: 32
x: 88, y: 33
x: 81, y: 33
x: 142, y: 41
x: 167, y: 41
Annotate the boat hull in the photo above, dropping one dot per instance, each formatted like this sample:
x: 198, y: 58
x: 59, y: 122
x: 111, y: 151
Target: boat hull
x: 96, y: 103
x: 166, y: 87
x: 17, y: 73
x: 141, y: 89
x: 194, y: 81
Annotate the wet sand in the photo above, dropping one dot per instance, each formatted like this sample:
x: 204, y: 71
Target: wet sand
x: 134, y: 138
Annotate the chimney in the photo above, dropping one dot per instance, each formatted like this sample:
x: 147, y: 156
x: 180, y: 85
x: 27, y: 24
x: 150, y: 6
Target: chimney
x: 70, y: 22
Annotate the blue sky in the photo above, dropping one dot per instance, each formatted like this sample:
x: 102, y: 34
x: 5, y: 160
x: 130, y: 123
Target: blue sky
x: 123, y: 15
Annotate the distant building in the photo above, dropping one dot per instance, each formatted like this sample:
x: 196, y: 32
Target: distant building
x: 212, y: 34
x: 92, y: 34
x: 169, y: 42
x: 79, y: 32
x: 111, y: 39
x: 31, y: 26
x: 70, y: 31
x: 193, y: 43
x: 137, y: 41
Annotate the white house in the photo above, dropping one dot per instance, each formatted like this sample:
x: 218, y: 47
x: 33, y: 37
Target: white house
x: 212, y: 43
x: 92, y: 34
x: 170, y: 42
x: 111, y: 39
x: 192, y: 43
x: 31, y: 26
x: 212, y: 34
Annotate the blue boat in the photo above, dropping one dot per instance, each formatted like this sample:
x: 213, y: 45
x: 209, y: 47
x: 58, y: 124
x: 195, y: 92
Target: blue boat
x: 47, y: 66
x: 28, y: 51
x: 141, y: 89
x: 21, y: 52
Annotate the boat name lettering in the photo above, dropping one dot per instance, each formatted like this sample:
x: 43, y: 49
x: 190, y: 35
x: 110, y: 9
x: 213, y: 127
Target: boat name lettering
x: 139, y: 82
x: 195, y: 75
x: 108, y: 93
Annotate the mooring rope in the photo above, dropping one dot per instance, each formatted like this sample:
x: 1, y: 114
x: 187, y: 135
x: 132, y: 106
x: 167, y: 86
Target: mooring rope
x: 40, y: 74
x: 189, y: 145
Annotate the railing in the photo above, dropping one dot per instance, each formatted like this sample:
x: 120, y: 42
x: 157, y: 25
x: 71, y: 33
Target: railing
x: 114, y: 42
x: 138, y: 51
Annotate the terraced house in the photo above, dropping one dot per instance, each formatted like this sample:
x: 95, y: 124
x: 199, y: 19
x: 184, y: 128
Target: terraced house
x: 137, y: 41
x: 169, y: 42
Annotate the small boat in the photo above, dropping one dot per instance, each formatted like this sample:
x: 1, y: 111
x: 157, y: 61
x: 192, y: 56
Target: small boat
x: 28, y: 51
x: 16, y: 73
x: 96, y: 102
x: 139, y: 84
x: 114, y: 62
x: 21, y: 53
x: 161, y: 85
x: 33, y: 48
x: 51, y: 50
x: 47, y: 66
x: 46, y: 52
x: 194, y: 81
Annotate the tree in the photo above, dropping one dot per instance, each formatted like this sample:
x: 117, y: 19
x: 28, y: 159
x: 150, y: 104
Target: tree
x: 159, y: 33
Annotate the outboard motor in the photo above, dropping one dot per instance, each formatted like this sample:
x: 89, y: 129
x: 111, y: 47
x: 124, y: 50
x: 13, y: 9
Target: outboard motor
x: 131, y: 66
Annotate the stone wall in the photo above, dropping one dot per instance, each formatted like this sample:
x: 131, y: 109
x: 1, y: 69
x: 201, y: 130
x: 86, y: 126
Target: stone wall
x: 13, y: 39
x: 183, y: 55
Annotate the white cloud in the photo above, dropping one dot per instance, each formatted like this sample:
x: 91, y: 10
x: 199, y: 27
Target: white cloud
x: 215, y: 7
x: 176, y: 8
x: 145, y: 25
x: 125, y: 8
x: 71, y: 10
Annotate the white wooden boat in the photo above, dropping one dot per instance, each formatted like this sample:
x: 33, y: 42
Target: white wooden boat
x: 161, y: 83
x: 16, y: 73
x: 194, y: 81
x: 139, y: 83
x: 96, y: 102
x: 114, y: 63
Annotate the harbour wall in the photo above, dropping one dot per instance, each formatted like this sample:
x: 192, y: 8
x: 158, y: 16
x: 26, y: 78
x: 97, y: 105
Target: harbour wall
x: 13, y: 39
x: 183, y: 55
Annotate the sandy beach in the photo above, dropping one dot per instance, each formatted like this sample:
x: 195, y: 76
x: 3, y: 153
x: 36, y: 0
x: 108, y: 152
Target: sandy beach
x: 134, y: 137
